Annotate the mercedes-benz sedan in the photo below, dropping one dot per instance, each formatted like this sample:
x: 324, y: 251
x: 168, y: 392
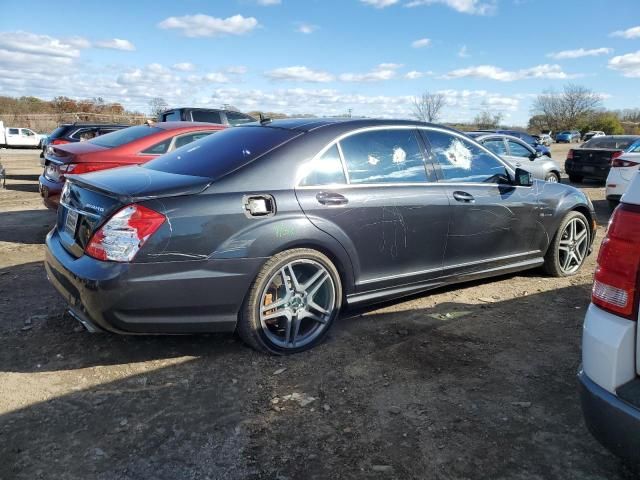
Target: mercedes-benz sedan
x: 271, y: 228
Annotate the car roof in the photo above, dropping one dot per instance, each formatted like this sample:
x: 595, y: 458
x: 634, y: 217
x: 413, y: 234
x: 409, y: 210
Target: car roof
x: 89, y: 124
x: 484, y: 134
x: 345, y: 124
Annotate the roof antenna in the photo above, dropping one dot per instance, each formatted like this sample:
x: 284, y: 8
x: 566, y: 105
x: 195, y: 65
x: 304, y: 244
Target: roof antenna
x: 264, y: 120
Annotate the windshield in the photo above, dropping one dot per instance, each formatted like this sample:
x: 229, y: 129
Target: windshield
x: 126, y: 135
x: 219, y: 154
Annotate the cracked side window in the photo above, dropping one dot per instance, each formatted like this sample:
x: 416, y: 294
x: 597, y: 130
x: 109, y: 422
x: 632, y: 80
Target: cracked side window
x: 462, y: 161
x: 384, y: 156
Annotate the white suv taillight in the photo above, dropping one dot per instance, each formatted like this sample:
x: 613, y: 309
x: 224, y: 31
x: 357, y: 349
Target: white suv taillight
x: 616, y: 283
x: 124, y: 234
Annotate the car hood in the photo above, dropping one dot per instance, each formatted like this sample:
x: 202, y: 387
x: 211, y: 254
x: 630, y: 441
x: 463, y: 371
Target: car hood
x: 136, y: 183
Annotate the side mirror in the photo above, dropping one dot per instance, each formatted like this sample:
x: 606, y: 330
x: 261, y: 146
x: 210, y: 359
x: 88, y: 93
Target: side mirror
x: 523, y: 178
x: 535, y: 155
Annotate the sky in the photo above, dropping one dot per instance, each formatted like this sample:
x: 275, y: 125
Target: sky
x: 323, y: 57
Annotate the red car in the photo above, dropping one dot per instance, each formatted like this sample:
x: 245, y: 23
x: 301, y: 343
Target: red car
x: 130, y: 146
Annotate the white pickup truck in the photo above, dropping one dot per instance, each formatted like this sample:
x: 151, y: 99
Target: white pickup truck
x: 19, y: 137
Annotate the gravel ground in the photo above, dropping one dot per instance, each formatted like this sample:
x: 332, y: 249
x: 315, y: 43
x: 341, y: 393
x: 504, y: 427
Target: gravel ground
x: 476, y: 381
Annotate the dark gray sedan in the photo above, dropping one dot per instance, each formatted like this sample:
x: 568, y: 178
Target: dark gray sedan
x: 271, y: 228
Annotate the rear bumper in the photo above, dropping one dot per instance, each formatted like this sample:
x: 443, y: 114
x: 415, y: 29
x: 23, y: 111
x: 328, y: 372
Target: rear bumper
x: 595, y: 172
x: 612, y: 421
x: 168, y: 297
x: 50, y: 191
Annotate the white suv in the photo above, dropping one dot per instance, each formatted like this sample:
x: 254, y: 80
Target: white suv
x: 610, y: 373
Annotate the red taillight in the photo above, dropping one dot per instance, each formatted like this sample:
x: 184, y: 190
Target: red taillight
x: 124, y: 234
x: 80, y: 168
x: 570, y: 154
x: 616, y: 283
x: 58, y: 141
x: 615, y: 155
x: 618, y: 162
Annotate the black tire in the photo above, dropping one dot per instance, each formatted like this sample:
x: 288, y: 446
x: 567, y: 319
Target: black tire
x: 551, y: 176
x: 552, y: 265
x: 250, y: 327
x: 575, y: 178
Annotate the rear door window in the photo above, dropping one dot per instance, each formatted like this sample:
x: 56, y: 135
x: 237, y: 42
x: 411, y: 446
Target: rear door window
x: 158, y: 148
x: 496, y: 145
x: 324, y: 170
x: 384, y: 156
x: 205, y: 116
x: 14, y: 131
x: 183, y: 140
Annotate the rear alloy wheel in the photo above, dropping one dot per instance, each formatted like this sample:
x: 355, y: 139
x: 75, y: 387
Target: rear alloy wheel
x: 552, y: 178
x: 292, y: 303
x: 569, y: 247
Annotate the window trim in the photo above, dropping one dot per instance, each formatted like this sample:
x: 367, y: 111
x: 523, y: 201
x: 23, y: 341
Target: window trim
x: 427, y: 150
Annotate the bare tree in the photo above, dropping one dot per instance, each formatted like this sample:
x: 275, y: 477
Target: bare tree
x: 486, y: 119
x: 565, y: 110
x: 428, y: 106
x: 157, y: 105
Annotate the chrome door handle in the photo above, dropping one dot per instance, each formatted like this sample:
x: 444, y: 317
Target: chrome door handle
x: 331, y: 198
x: 463, y: 197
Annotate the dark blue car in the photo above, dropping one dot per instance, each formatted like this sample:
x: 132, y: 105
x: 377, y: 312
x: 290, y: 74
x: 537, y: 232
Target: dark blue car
x: 525, y: 137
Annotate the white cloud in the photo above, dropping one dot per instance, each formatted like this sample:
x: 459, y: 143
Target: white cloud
x: 472, y: 7
x: 201, y: 25
x: 267, y: 3
x: 421, y: 43
x: 384, y: 71
x: 633, y: 32
x: 306, y: 28
x: 299, y: 73
x: 184, y: 67
x: 628, y: 65
x: 380, y: 3
x: 216, y: 77
x: 116, y: 44
x: 553, y: 72
x: 414, y: 74
x: 236, y: 70
x: 463, y: 52
x: 33, y: 44
x: 580, y: 52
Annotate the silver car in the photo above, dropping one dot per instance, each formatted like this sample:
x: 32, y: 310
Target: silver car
x: 520, y: 155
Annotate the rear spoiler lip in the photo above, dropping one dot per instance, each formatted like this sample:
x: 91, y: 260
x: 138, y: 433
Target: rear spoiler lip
x: 126, y: 198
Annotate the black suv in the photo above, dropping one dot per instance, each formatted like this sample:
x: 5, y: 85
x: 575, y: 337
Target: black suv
x: 209, y: 115
x: 74, y: 132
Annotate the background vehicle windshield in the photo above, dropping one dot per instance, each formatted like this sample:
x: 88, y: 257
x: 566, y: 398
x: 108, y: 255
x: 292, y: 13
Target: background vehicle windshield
x: 126, y: 135
x: 219, y: 154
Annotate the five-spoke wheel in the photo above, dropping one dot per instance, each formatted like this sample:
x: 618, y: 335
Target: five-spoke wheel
x: 292, y: 303
x: 570, y: 246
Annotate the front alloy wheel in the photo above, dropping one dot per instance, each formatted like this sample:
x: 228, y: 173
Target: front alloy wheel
x: 292, y: 303
x: 570, y: 246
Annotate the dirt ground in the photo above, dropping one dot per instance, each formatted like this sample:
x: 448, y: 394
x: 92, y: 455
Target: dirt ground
x: 476, y: 381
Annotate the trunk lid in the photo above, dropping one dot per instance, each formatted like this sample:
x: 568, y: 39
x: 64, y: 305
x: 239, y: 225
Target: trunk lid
x: 89, y: 200
x: 594, y: 156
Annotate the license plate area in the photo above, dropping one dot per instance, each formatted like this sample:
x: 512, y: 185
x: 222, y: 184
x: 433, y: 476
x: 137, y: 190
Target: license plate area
x: 588, y: 169
x: 71, y: 222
